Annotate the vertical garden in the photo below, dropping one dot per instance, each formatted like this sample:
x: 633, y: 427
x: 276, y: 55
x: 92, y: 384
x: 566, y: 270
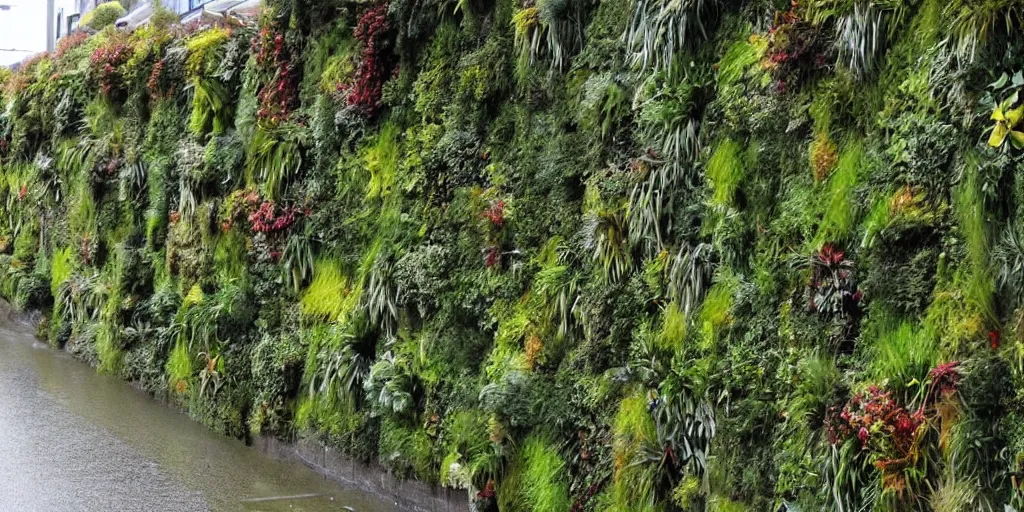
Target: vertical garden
x: 566, y: 255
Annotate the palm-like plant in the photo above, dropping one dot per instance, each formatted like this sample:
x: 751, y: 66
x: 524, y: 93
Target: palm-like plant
x: 340, y: 367
x: 551, y: 30
x: 1009, y: 257
x: 274, y: 156
x: 661, y: 29
x: 606, y: 236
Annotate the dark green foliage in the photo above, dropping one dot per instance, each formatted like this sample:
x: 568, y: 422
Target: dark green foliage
x: 588, y: 255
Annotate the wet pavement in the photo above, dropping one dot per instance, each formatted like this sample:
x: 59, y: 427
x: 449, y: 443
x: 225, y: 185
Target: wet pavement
x: 74, y: 440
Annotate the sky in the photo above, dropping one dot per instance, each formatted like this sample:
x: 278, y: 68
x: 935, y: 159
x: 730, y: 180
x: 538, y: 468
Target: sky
x: 23, y: 27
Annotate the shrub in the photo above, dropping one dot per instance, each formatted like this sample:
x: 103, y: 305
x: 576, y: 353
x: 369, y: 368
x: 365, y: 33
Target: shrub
x: 103, y: 15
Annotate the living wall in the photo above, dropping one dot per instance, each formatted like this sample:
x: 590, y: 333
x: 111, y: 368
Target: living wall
x: 586, y: 255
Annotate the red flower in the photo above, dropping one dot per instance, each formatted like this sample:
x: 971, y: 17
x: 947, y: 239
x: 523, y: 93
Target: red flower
x: 993, y: 339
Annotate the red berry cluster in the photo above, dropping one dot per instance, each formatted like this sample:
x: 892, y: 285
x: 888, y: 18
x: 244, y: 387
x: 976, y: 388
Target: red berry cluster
x: 375, y: 65
x: 105, y: 61
x: 278, y: 96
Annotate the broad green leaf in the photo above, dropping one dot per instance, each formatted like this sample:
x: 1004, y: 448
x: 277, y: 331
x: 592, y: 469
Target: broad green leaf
x: 998, y: 84
x: 998, y: 135
x: 1017, y: 138
x: 1014, y: 116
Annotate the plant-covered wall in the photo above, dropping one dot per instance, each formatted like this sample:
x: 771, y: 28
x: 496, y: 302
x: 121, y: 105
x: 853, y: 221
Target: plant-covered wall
x: 586, y: 255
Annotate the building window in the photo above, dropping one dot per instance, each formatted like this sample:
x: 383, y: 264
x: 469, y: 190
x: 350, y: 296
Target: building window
x: 73, y: 22
x: 192, y: 4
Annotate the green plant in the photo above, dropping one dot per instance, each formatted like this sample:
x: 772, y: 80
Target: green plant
x: 550, y: 30
x: 840, y: 210
x: 738, y: 60
x: 103, y: 15
x: 1007, y: 119
x: 179, y: 368
x: 972, y: 24
x: 390, y: 385
x: 328, y: 295
x: 608, y: 242
x: 661, y: 30
x: 273, y: 157
x: 543, y: 481
x: 725, y: 172
x: 902, y: 355
x: 970, y: 213
x: 633, y: 486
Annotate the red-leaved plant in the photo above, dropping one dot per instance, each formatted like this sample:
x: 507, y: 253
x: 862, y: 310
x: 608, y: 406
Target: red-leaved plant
x: 105, y: 61
x: 833, y: 290
x: 376, y: 61
x: 889, y: 433
x: 268, y: 218
x: 70, y: 42
x: 495, y: 213
x: 278, y: 96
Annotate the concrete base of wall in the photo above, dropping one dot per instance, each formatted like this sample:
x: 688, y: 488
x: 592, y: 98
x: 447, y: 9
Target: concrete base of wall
x: 412, y: 496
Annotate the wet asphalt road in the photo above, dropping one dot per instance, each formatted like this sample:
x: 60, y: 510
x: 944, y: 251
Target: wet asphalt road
x: 73, y: 440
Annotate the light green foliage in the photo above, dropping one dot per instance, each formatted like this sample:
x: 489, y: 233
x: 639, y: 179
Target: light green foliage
x: 543, y: 481
x: 739, y: 60
x: 111, y: 358
x: 725, y: 172
x: 606, y: 255
x: 901, y: 353
x: 841, y: 205
x: 179, y: 368
x: 103, y: 15
x: 61, y: 267
x: 329, y: 296
x: 970, y: 214
x: 632, y: 430
x: 229, y: 256
x: 716, y: 311
x: 274, y: 156
x: 382, y: 162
